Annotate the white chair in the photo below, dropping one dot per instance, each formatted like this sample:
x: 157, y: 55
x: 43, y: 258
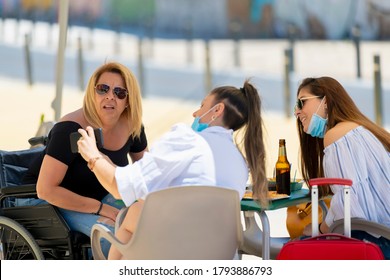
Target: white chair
x: 253, y: 236
x: 192, y: 222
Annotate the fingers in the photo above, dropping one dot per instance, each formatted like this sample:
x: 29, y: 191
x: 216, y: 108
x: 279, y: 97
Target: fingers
x: 106, y: 221
x: 87, y: 143
x: 307, y: 230
x: 87, y: 132
x: 90, y: 131
x: 109, y: 211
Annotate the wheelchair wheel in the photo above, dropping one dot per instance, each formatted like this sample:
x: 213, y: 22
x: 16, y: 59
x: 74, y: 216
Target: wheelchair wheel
x: 16, y: 243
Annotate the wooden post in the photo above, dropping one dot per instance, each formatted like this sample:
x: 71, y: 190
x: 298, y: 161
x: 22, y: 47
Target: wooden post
x: 378, y: 90
x: 287, y: 90
x: 208, y: 78
x: 27, y: 55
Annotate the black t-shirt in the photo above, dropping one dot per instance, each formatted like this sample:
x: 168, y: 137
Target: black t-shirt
x: 78, y: 177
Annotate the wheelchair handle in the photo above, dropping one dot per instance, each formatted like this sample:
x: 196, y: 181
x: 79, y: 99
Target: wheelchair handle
x: 38, y: 140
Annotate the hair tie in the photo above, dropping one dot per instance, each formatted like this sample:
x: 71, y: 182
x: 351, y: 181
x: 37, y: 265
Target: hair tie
x: 243, y: 90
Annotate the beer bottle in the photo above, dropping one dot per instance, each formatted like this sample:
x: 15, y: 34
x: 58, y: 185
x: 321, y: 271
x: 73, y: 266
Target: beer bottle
x: 282, y: 169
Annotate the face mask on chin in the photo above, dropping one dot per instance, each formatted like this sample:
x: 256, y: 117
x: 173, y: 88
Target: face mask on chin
x: 197, y: 126
x: 317, y: 125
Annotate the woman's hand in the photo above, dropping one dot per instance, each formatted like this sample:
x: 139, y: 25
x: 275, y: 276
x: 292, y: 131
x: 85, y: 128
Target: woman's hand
x: 307, y: 230
x: 87, y: 144
x: 104, y: 169
x: 109, y: 212
x: 322, y: 228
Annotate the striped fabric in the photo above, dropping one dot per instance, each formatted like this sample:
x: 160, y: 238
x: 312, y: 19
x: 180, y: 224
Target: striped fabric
x: 359, y: 156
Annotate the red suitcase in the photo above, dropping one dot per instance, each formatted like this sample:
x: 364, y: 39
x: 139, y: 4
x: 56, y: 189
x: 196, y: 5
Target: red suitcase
x: 330, y: 246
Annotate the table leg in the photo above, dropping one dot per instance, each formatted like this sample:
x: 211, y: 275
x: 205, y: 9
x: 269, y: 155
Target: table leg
x: 266, y: 238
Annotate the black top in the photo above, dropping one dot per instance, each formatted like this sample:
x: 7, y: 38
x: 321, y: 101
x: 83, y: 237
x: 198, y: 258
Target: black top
x: 78, y: 177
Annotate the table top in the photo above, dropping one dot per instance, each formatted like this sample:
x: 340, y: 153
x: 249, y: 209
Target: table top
x: 296, y: 197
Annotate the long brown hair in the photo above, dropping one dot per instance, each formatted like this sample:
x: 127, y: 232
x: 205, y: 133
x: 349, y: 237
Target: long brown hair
x: 133, y: 113
x: 243, y: 111
x: 340, y: 108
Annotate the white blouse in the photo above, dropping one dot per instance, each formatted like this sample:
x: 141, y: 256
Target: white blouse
x: 183, y: 157
x: 361, y: 157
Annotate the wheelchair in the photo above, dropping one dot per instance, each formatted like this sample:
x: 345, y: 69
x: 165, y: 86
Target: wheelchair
x: 32, y: 232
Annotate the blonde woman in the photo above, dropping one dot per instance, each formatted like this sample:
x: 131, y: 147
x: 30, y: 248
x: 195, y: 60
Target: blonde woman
x: 112, y: 102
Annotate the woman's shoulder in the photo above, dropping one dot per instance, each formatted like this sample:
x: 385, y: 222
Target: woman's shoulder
x: 76, y: 117
x: 338, y: 131
x: 71, y: 121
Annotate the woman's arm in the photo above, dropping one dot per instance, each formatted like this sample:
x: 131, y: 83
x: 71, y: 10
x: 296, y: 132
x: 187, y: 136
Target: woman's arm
x: 157, y: 169
x: 105, y: 171
x: 322, y: 228
x: 49, y: 189
x: 99, y: 164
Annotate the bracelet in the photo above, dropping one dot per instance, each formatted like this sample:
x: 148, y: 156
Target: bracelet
x: 92, y: 161
x: 319, y: 228
x: 100, y: 209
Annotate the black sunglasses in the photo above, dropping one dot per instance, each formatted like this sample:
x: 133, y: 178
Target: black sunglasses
x: 301, y: 101
x: 103, y: 89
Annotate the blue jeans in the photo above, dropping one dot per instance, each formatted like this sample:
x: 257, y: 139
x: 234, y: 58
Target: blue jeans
x: 77, y: 221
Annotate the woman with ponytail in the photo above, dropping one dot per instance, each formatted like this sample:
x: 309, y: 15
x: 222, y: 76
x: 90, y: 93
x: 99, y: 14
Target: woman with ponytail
x: 229, y: 109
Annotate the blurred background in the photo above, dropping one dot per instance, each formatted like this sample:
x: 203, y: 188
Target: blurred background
x: 302, y: 19
x: 180, y: 49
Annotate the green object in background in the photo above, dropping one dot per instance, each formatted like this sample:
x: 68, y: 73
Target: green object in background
x: 129, y: 11
x: 42, y: 118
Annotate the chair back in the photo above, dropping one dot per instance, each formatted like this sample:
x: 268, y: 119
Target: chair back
x: 14, y: 165
x: 192, y: 222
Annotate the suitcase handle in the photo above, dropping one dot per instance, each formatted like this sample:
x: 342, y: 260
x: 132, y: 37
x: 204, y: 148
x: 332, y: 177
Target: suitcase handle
x: 314, y: 183
x: 333, y: 236
x: 330, y: 181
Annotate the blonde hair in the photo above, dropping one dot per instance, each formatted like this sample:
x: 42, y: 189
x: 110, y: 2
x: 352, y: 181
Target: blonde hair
x: 133, y: 114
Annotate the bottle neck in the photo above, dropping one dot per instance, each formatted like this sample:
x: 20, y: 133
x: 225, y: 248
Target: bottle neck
x: 282, y: 153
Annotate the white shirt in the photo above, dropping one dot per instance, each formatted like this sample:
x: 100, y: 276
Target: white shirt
x: 361, y: 157
x: 183, y: 157
x: 230, y: 166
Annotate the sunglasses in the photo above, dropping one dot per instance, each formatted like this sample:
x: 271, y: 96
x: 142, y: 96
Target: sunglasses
x: 301, y: 101
x: 103, y: 89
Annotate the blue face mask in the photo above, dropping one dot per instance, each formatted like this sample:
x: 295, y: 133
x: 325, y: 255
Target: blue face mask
x: 197, y: 126
x: 317, y: 125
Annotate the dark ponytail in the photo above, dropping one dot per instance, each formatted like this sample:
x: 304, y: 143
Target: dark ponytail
x: 243, y: 110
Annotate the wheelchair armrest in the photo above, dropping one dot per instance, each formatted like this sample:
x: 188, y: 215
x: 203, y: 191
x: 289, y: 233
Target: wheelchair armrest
x: 28, y: 189
x: 361, y: 224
